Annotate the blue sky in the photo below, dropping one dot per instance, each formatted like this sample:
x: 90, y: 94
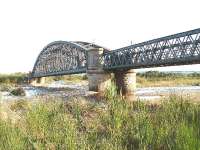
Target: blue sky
x: 28, y: 25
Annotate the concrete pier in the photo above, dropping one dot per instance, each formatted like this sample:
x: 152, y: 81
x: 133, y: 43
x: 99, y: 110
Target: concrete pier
x: 98, y: 79
x: 38, y: 81
x: 126, y: 83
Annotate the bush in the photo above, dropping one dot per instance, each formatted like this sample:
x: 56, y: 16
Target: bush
x: 18, y: 92
x: 17, y: 78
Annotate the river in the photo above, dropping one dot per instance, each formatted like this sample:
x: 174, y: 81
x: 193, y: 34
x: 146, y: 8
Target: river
x: 61, y: 89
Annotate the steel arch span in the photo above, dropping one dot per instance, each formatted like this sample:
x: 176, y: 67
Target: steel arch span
x: 62, y: 57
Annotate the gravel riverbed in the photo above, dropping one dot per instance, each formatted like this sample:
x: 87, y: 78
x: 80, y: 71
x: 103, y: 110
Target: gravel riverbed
x: 64, y: 90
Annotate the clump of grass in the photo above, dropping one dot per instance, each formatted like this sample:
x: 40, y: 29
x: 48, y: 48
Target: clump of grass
x: 11, y: 137
x: 47, y: 125
x: 20, y: 105
x: 155, y: 78
x: 5, y: 87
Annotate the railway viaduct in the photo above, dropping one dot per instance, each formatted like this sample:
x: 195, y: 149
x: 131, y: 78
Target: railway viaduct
x: 63, y: 58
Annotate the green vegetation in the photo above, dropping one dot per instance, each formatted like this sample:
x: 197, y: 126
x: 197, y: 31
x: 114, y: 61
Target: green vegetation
x: 155, y: 78
x: 10, y: 82
x: 112, y: 123
x: 67, y: 78
x: 20, y: 105
x: 18, y: 92
x: 146, y: 79
x: 16, y: 78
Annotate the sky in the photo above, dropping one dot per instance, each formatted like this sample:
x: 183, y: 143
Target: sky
x: 26, y: 26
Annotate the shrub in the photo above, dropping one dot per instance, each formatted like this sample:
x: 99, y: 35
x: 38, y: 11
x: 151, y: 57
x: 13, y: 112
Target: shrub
x: 16, y: 78
x: 18, y: 92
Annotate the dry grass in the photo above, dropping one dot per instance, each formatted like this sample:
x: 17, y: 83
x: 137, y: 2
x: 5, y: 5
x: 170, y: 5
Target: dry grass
x: 112, y: 124
x: 168, y: 82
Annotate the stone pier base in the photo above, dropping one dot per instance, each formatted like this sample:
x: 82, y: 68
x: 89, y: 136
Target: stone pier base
x: 38, y: 81
x: 126, y: 83
x: 98, y: 80
x: 33, y: 81
x: 42, y: 80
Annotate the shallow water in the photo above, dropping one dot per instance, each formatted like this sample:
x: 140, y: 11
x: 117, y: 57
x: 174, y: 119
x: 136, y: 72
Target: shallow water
x: 164, y: 90
x: 61, y: 89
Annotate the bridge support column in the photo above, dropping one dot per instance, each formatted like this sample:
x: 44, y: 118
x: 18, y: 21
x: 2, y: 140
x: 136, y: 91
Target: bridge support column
x: 98, y: 79
x: 37, y: 81
x: 41, y: 80
x: 126, y: 83
x: 33, y: 81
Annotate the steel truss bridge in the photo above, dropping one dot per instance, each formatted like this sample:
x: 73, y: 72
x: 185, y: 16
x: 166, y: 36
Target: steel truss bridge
x: 62, y: 57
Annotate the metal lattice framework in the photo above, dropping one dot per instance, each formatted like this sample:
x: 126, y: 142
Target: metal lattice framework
x: 62, y: 57
x: 178, y: 49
